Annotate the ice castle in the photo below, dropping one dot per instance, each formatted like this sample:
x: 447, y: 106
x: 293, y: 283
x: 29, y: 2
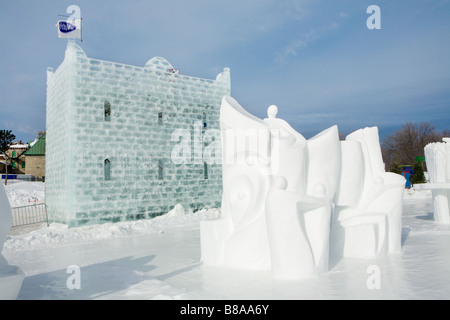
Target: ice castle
x: 115, y: 133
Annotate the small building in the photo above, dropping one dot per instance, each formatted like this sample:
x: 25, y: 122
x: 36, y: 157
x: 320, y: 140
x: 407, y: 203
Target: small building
x: 33, y: 160
x: 14, y: 158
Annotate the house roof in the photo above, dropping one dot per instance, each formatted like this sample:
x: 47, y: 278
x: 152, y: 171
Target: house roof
x: 38, y: 148
x: 18, y: 146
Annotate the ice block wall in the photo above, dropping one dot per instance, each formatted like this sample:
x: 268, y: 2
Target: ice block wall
x: 112, y: 133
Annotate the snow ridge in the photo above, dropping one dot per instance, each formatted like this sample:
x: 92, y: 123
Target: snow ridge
x: 59, y: 234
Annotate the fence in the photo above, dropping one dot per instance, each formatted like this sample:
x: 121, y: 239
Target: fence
x: 30, y: 214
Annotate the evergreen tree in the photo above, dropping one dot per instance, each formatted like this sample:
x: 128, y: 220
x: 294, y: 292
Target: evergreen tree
x: 418, y: 176
x: 396, y: 168
x: 6, y: 137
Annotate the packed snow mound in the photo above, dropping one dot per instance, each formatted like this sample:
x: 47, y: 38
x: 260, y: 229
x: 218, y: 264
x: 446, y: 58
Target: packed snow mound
x: 22, y: 193
x: 60, y: 234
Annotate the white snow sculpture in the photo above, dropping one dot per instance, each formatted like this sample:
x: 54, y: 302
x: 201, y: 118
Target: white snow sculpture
x: 437, y: 157
x: 277, y: 196
x: 368, y: 203
x: 298, y: 228
x: 239, y: 238
x: 299, y: 202
x: 11, y: 277
x: 283, y: 195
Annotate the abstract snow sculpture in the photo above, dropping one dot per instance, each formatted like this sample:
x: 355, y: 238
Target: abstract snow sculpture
x: 437, y: 156
x: 298, y: 227
x: 11, y: 277
x: 324, y: 161
x: 275, y: 213
x: 298, y: 205
x: 283, y: 195
x: 368, y: 203
x: 239, y: 238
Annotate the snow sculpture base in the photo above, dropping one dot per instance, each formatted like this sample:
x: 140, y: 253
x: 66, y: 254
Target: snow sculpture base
x: 285, y: 198
x: 11, y: 277
x: 437, y: 157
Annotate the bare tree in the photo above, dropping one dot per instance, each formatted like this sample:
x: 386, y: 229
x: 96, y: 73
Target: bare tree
x: 407, y: 143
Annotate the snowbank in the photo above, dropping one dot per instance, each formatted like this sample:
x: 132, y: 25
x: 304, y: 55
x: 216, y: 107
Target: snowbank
x: 59, y: 234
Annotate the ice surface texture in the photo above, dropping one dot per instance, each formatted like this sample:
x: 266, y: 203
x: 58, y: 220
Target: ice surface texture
x: 288, y: 203
x: 111, y: 132
x: 11, y: 277
x: 437, y: 157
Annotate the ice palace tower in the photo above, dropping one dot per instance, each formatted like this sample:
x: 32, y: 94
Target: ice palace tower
x: 112, y: 134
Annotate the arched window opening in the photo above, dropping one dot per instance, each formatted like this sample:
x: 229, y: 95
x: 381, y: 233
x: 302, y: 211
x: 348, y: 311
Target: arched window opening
x: 160, y: 169
x: 107, y: 168
x: 160, y: 121
x: 204, y: 120
x: 107, y: 111
x: 205, y: 170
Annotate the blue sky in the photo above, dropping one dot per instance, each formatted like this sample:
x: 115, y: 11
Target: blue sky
x: 316, y: 60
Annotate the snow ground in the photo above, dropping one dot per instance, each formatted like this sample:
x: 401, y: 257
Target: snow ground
x: 160, y: 259
x: 22, y: 193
